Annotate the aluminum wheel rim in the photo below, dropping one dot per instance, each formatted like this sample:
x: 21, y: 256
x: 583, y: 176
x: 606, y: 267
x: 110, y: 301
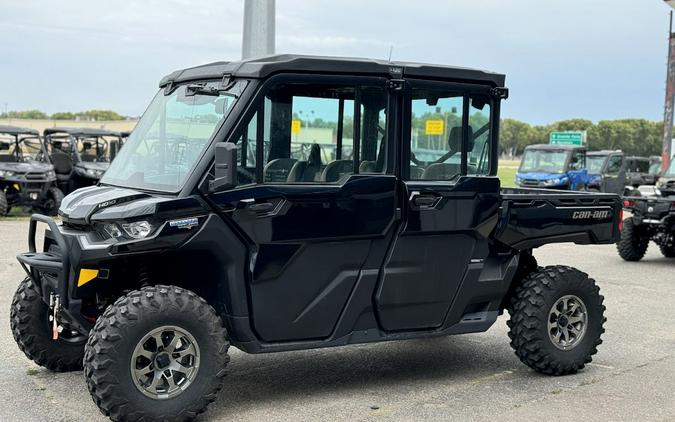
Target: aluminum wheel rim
x: 165, y: 362
x: 567, y: 322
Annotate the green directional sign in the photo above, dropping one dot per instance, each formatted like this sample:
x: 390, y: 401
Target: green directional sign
x: 567, y: 138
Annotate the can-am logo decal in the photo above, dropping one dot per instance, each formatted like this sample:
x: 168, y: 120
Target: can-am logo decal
x: 184, y: 223
x: 590, y: 215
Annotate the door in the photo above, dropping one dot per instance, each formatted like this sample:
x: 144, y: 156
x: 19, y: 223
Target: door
x: 577, y: 172
x: 314, y: 194
x: 449, y: 205
x: 614, y: 175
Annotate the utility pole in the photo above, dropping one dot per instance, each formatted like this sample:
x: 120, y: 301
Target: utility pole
x: 259, y: 31
x: 667, y: 151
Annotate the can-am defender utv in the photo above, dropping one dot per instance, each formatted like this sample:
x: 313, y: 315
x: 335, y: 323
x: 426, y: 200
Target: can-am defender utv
x: 27, y: 176
x: 80, y: 155
x: 652, y: 219
x: 229, y: 219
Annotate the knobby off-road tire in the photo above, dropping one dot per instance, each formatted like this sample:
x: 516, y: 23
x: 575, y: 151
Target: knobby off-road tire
x: 54, y: 198
x: 532, y: 337
x: 29, y: 320
x: 112, y: 354
x: 4, y: 206
x: 632, y: 245
x: 667, y: 251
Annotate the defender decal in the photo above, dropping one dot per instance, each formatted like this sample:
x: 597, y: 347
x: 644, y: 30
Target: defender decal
x: 184, y: 223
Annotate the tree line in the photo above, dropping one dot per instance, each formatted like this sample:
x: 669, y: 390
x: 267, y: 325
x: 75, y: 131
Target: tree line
x: 89, y: 115
x: 633, y: 136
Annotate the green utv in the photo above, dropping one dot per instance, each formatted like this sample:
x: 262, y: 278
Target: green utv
x: 294, y: 202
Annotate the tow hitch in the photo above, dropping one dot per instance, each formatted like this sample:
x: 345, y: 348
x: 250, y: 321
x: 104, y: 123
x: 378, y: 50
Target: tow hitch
x: 54, y: 304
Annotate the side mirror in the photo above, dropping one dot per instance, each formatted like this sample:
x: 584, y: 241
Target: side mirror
x: 4, y: 146
x: 225, y: 167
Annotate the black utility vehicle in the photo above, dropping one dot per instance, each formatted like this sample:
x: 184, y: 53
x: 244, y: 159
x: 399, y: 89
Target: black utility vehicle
x: 653, y: 218
x: 80, y: 155
x: 221, y: 223
x: 637, y: 171
x: 606, y: 171
x: 26, y: 175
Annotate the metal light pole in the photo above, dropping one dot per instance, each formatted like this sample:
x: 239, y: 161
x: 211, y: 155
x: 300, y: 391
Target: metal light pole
x: 670, y: 95
x: 259, y: 31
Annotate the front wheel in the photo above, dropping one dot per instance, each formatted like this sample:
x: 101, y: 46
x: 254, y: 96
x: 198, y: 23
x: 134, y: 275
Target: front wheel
x: 557, y: 320
x: 158, y: 353
x: 633, y: 244
x: 4, y: 206
x: 29, y: 321
x: 53, y: 201
x: 668, y: 251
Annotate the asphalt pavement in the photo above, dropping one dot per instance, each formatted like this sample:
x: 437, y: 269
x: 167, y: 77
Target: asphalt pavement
x: 472, y: 377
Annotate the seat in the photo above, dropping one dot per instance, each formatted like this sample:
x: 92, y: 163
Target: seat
x: 441, y: 171
x: 367, y: 167
x: 416, y: 173
x: 62, y: 162
x: 278, y: 170
x: 335, y: 170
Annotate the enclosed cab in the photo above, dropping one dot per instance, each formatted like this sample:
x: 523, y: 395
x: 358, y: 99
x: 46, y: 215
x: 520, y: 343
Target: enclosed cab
x: 637, y: 171
x: 553, y: 167
x: 606, y: 171
x: 27, y: 177
x: 293, y: 202
x: 654, y: 172
x: 80, y: 155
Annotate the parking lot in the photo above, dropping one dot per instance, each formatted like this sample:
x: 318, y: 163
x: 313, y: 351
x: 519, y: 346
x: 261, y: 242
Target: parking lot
x: 471, y: 377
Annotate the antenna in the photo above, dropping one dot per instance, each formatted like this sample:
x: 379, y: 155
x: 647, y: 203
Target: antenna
x: 391, y: 50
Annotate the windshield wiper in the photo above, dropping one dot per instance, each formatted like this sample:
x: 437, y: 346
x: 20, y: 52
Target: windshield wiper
x: 194, y: 89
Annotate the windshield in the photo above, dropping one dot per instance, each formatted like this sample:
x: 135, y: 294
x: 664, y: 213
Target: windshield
x: 638, y: 166
x: 655, y: 169
x: 671, y: 169
x: 595, y: 163
x: 171, y: 136
x: 27, y: 148
x: 543, y: 161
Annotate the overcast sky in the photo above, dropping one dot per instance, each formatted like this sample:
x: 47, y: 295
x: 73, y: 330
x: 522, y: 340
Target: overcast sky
x: 596, y: 59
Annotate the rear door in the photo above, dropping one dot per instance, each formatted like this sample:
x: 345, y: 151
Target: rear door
x: 614, y: 175
x: 449, y: 205
x: 314, y: 195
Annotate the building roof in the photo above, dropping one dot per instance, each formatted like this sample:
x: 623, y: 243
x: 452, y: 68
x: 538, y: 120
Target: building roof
x: 262, y: 67
x: 80, y: 131
x: 15, y: 130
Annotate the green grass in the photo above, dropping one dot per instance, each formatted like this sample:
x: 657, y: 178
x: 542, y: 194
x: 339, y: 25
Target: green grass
x: 507, y: 175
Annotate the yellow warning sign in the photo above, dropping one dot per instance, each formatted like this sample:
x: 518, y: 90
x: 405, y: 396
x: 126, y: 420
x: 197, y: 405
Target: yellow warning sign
x: 434, y: 127
x: 295, y: 126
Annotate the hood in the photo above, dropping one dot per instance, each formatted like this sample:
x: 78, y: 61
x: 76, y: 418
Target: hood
x: 110, y: 203
x: 541, y: 176
x: 27, y: 166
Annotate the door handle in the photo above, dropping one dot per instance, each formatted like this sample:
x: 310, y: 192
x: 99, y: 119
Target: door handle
x: 424, y: 200
x: 261, y: 207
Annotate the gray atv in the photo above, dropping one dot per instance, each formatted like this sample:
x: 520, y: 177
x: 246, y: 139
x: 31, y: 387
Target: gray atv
x: 27, y: 177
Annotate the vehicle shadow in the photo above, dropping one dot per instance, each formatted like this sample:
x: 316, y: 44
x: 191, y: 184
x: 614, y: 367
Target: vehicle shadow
x: 279, y: 379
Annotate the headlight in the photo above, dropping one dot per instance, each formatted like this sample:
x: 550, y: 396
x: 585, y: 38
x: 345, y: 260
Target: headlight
x: 6, y: 173
x: 51, y: 173
x: 137, y: 229
x: 93, y: 172
x: 551, y: 182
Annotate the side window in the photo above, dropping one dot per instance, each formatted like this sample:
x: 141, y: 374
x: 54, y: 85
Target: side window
x: 436, y: 137
x: 308, y: 134
x: 578, y: 161
x: 479, y: 136
x: 614, y: 165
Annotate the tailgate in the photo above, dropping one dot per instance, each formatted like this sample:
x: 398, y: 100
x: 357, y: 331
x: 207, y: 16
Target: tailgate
x: 533, y: 217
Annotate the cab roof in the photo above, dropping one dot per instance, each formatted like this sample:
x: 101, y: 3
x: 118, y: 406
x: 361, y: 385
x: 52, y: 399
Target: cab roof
x: 80, y: 131
x: 555, y: 147
x: 262, y: 67
x: 605, y: 152
x: 16, y: 130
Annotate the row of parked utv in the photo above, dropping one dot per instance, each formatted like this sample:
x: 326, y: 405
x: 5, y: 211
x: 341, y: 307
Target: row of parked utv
x: 37, y: 170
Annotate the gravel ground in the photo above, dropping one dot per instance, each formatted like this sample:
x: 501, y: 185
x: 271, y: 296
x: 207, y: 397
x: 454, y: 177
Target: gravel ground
x: 466, y: 378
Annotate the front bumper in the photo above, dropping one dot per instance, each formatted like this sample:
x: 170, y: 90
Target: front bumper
x: 28, y: 192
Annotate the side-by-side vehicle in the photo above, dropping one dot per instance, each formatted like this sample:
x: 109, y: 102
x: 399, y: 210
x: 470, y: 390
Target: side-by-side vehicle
x: 294, y: 202
x: 606, y: 171
x: 80, y: 155
x: 27, y: 176
x: 553, y: 167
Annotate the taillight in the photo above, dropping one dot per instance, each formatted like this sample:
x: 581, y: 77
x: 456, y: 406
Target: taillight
x: 620, y: 220
x: 627, y: 203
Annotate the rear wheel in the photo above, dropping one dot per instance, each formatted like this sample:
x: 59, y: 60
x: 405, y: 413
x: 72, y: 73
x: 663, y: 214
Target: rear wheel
x: 557, y: 320
x: 668, y: 250
x: 29, y: 320
x: 633, y: 244
x: 4, y: 207
x: 158, y: 353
